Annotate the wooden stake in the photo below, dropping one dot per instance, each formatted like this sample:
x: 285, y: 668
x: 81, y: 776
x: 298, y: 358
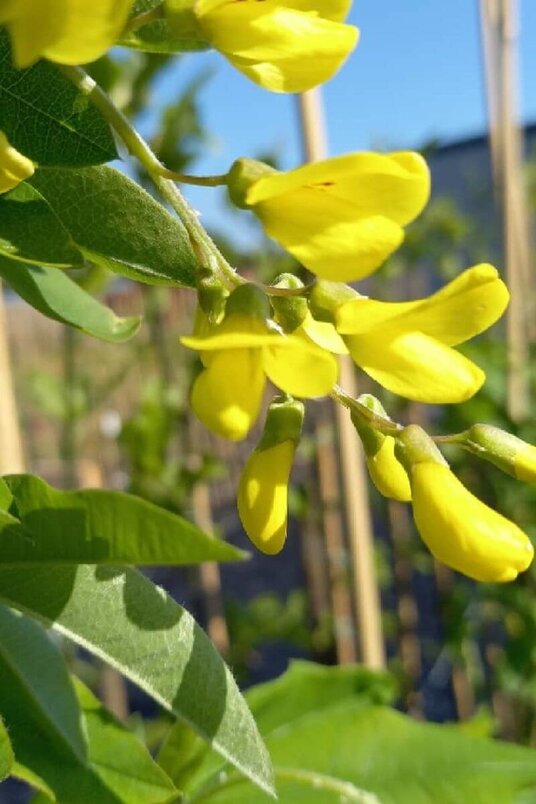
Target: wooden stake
x: 11, y: 454
x: 353, y: 475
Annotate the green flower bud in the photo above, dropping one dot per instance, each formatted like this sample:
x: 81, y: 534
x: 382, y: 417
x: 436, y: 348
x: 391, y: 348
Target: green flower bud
x: 212, y: 295
x: 510, y: 453
x: 327, y: 296
x: 291, y: 311
x: 243, y: 174
x: 248, y: 299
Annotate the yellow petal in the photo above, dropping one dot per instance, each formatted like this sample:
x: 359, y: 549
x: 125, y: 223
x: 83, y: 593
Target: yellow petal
x: 525, y: 464
x: 463, y: 532
x: 326, y: 235
x: 276, y: 46
x: 396, y: 185
x: 66, y: 31
x: 227, y: 395
x: 416, y: 366
x: 462, y: 309
x: 14, y: 167
x: 262, y: 496
x: 238, y: 331
x: 324, y: 335
x: 300, y: 369
x: 342, y: 217
x: 387, y: 473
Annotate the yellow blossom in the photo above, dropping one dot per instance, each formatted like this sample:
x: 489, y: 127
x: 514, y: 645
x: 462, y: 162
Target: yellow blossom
x: 341, y: 217
x: 407, y: 346
x: 263, y: 488
x: 239, y: 355
x: 65, y: 31
x: 463, y: 532
x: 14, y: 167
x: 283, y: 45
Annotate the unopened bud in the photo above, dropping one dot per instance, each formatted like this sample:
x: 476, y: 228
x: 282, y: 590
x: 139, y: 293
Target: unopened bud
x: 291, y: 311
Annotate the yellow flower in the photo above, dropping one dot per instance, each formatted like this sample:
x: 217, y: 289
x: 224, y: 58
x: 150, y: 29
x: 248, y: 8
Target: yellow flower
x: 239, y: 355
x: 65, y: 31
x: 463, y: 532
x: 14, y: 167
x: 525, y: 463
x: 407, y: 346
x: 342, y: 217
x: 263, y: 488
x: 283, y: 45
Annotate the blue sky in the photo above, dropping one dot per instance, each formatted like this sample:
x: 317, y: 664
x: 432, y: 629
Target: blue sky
x: 415, y: 75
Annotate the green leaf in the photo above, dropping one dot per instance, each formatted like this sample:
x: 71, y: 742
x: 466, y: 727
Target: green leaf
x: 57, y: 296
x: 326, y: 750
x: 6, y: 753
x: 157, y: 37
x: 47, y: 119
x: 92, y: 526
x: 65, y: 741
x: 115, y: 223
x: 31, y: 232
x: 122, y: 617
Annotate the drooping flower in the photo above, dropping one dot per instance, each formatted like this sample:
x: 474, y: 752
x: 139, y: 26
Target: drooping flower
x: 263, y: 488
x: 457, y: 527
x: 385, y: 470
x: 65, y: 31
x: 14, y: 167
x: 407, y: 346
x: 283, y: 45
x: 341, y: 217
x: 240, y: 354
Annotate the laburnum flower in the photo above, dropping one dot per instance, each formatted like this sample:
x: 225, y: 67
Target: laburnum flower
x: 385, y: 470
x: 283, y: 45
x: 65, y: 31
x: 342, y: 217
x: 14, y: 167
x: 407, y: 346
x: 457, y: 527
x: 240, y: 354
x: 263, y: 487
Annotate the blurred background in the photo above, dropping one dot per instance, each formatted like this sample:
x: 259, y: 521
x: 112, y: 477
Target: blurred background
x: 353, y: 583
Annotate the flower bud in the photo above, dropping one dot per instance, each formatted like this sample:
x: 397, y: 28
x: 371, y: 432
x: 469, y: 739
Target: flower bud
x: 510, y: 453
x: 263, y: 488
x: 14, y: 167
x: 327, y: 296
x: 244, y: 173
x: 386, y: 471
x: 457, y: 527
x: 463, y: 532
x: 291, y: 311
x: 248, y: 299
x: 212, y: 295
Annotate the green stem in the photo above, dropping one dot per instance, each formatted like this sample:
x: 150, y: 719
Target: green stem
x: 385, y: 426
x: 137, y: 22
x: 203, y: 245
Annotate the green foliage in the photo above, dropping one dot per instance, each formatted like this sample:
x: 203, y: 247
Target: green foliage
x: 31, y: 232
x: 6, y: 753
x: 137, y: 628
x: 55, y: 295
x: 115, y: 223
x: 331, y: 739
x: 60, y: 733
x: 47, y: 119
x: 47, y: 526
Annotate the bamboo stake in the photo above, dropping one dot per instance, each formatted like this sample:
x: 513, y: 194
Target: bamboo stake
x: 11, y: 453
x: 499, y: 35
x: 354, y: 482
